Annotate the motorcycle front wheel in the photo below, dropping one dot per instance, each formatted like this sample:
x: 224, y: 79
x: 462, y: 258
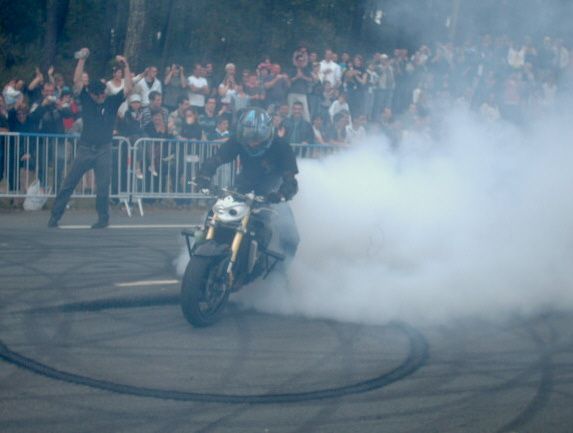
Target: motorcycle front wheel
x: 204, y: 290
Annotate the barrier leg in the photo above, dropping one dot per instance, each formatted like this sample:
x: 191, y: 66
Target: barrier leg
x: 140, y: 206
x: 127, y: 206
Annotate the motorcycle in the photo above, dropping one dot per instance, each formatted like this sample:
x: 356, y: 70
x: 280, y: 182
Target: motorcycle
x: 229, y: 251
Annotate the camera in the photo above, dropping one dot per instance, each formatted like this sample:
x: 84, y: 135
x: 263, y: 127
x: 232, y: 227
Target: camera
x: 81, y: 54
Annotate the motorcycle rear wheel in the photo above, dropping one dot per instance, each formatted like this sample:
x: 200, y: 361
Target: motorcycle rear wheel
x: 204, y: 290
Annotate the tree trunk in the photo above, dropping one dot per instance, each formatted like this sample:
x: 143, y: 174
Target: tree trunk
x: 357, y: 24
x: 168, y: 33
x: 55, y: 19
x: 177, y: 32
x: 135, y: 36
x: 454, y: 19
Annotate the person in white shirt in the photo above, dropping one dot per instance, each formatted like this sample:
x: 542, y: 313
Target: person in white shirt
x: 227, y: 88
x: 355, y: 129
x: 337, y: 106
x: 516, y: 56
x: 562, y: 55
x: 489, y: 110
x: 146, y: 83
x: 116, y: 84
x: 13, y: 93
x: 329, y: 70
x: 197, y: 87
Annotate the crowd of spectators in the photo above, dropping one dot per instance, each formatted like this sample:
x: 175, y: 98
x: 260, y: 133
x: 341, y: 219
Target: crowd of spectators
x: 327, y: 98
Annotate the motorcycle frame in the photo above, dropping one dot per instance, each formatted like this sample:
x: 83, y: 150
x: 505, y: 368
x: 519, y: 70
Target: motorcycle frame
x: 241, y: 229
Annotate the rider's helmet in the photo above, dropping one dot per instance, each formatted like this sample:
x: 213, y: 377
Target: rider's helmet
x: 254, y: 131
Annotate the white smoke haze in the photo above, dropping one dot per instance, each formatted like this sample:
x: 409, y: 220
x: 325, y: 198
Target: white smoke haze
x: 476, y: 224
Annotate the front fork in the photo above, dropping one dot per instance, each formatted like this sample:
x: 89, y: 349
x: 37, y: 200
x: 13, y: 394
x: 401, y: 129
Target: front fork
x: 235, y: 245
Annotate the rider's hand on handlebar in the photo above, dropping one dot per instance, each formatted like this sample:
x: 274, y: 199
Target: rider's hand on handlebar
x: 202, y: 182
x: 274, y: 197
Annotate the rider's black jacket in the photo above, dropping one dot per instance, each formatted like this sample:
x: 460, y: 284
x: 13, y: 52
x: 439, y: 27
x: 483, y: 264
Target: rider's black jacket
x: 274, y: 171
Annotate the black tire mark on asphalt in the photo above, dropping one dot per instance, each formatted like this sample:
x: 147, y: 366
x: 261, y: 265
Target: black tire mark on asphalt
x: 445, y: 408
x: 538, y: 402
x: 111, y: 304
x: 416, y: 358
x: 347, y: 338
x: 237, y: 361
x: 545, y: 385
x: 222, y: 420
x: 327, y: 408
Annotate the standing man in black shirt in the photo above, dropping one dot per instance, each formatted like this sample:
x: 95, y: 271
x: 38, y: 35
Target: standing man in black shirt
x: 99, y: 112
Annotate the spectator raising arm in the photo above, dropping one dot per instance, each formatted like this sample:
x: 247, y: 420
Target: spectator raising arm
x: 82, y: 55
x: 38, y: 79
x: 128, y: 84
x: 51, y: 75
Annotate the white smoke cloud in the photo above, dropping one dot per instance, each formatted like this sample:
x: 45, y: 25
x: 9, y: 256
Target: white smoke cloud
x: 475, y: 224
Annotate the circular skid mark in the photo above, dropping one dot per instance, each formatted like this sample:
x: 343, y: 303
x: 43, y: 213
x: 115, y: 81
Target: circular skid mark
x: 417, y: 357
x: 111, y: 304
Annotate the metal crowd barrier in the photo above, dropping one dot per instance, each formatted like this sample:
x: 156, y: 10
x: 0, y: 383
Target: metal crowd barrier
x: 47, y: 158
x: 148, y: 169
x: 165, y: 168
x: 315, y: 151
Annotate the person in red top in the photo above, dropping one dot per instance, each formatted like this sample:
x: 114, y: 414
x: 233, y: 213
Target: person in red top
x: 69, y: 108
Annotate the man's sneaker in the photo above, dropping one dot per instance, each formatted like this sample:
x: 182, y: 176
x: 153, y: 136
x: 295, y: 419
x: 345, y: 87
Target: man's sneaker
x: 100, y: 224
x: 53, y: 223
x: 169, y: 157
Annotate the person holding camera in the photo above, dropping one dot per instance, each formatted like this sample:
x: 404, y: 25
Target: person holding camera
x: 99, y: 111
x: 44, y: 113
x: 228, y: 87
x: 276, y: 85
x: 46, y: 118
x: 173, y: 86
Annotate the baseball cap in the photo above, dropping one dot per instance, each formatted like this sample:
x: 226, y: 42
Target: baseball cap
x: 136, y: 97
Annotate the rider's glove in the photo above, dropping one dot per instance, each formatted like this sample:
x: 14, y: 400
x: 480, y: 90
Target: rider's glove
x: 274, y: 197
x: 202, y: 182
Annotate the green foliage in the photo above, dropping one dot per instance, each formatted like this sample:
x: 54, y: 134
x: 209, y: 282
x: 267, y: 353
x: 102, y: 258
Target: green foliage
x: 183, y: 31
x: 22, y: 21
x: 20, y: 26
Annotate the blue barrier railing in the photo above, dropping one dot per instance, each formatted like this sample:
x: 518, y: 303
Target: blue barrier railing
x: 145, y: 168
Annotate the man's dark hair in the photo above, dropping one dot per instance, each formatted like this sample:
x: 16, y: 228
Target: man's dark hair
x: 97, y: 87
x: 182, y: 98
x: 298, y: 103
x: 154, y: 94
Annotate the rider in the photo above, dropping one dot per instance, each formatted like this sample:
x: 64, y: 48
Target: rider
x: 268, y: 168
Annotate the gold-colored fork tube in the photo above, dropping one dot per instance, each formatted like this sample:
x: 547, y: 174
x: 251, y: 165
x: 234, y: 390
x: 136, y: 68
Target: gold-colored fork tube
x: 238, y: 239
x: 211, y: 230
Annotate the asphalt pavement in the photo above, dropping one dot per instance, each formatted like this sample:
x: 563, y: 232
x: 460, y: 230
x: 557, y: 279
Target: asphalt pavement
x: 92, y: 339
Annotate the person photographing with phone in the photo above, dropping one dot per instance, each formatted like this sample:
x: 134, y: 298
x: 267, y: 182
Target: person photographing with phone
x: 99, y: 111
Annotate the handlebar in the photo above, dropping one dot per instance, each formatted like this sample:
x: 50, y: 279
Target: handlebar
x: 214, y: 190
